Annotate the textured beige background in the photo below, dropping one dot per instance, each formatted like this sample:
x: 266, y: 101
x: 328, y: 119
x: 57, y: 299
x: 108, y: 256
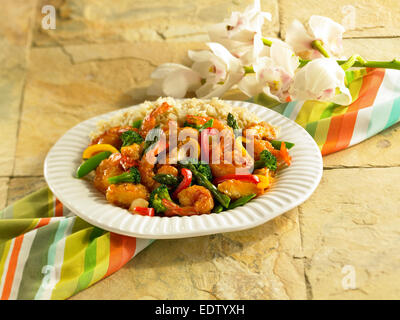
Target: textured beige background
x: 99, y: 59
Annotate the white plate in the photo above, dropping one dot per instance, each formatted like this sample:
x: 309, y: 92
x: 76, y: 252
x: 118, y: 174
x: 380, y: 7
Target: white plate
x: 292, y: 187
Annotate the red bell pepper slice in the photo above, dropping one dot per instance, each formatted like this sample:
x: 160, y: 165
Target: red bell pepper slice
x: 127, y: 162
x: 187, y: 180
x: 242, y: 177
x: 144, y: 211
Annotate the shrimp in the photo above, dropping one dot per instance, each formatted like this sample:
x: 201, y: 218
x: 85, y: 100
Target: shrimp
x: 133, y: 151
x: 282, y: 154
x: 167, y: 169
x: 261, y: 145
x: 231, y: 161
x: 149, y: 121
x: 197, y: 197
x: 261, y: 130
x: 123, y: 194
x: 147, y: 163
x: 146, y: 170
x: 108, y: 168
x: 112, y: 136
x: 222, y: 169
x: 194, y: 200
x: 236, y: 189
x: 185, y: 134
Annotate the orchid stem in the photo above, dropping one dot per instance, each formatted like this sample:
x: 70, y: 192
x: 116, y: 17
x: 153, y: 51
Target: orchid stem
x: 317, y: 45
x: 354, y: 61
x: 360, y: 63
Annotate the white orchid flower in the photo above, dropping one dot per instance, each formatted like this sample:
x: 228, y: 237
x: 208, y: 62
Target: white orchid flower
x: 241, y: 33
x: 326, y: 30
x: 272, y: 75
x: 321, y: 79
x: 174, y: 80
x: 218, y: 68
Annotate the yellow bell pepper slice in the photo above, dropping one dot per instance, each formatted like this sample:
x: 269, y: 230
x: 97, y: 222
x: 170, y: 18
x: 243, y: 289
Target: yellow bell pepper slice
x: 96, y: 148
x: 239, y: 144
x: 264, y: 182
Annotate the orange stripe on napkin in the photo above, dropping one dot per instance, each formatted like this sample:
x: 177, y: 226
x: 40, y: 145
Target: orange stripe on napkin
x: 58, y: 209
x: 12, y: 265
x: 369, y: 89
x: 333, y: 133
x: 43, y: 222
x: 122, y: 249
x: 342, y: 126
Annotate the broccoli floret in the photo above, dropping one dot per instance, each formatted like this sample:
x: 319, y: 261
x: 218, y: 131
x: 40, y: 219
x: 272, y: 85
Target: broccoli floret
x: 156, y: 197
x: 202, y: 167
x: 205, y: 169
x: 267, y: 159
x: 132, y: 176
x: 137, y: 124
x: 130, y: 137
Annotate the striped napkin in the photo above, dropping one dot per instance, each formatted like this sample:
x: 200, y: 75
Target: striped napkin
x: 46, y: 252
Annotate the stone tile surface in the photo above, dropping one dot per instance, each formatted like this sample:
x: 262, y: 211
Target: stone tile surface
x: 261, y: 263
x: 373, y: 48
x: 3, y: 192
x: 15, y: 37
x: 361, y: 18
x: 124, y: 20
x: 21, y: 187
x: 66, y: 85
x: 379, y: 150
x: 349, y: 227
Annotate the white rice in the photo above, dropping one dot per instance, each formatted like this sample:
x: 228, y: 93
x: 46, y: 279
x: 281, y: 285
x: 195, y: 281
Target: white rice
x: 216, y: 108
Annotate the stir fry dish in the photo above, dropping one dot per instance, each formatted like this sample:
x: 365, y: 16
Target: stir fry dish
x: 191, y: 166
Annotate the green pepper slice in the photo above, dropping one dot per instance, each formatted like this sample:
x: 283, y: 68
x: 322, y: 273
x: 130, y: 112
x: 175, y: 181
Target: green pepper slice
x: 91, y: 164
x: 277, y: 144
x: 241, y: 201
